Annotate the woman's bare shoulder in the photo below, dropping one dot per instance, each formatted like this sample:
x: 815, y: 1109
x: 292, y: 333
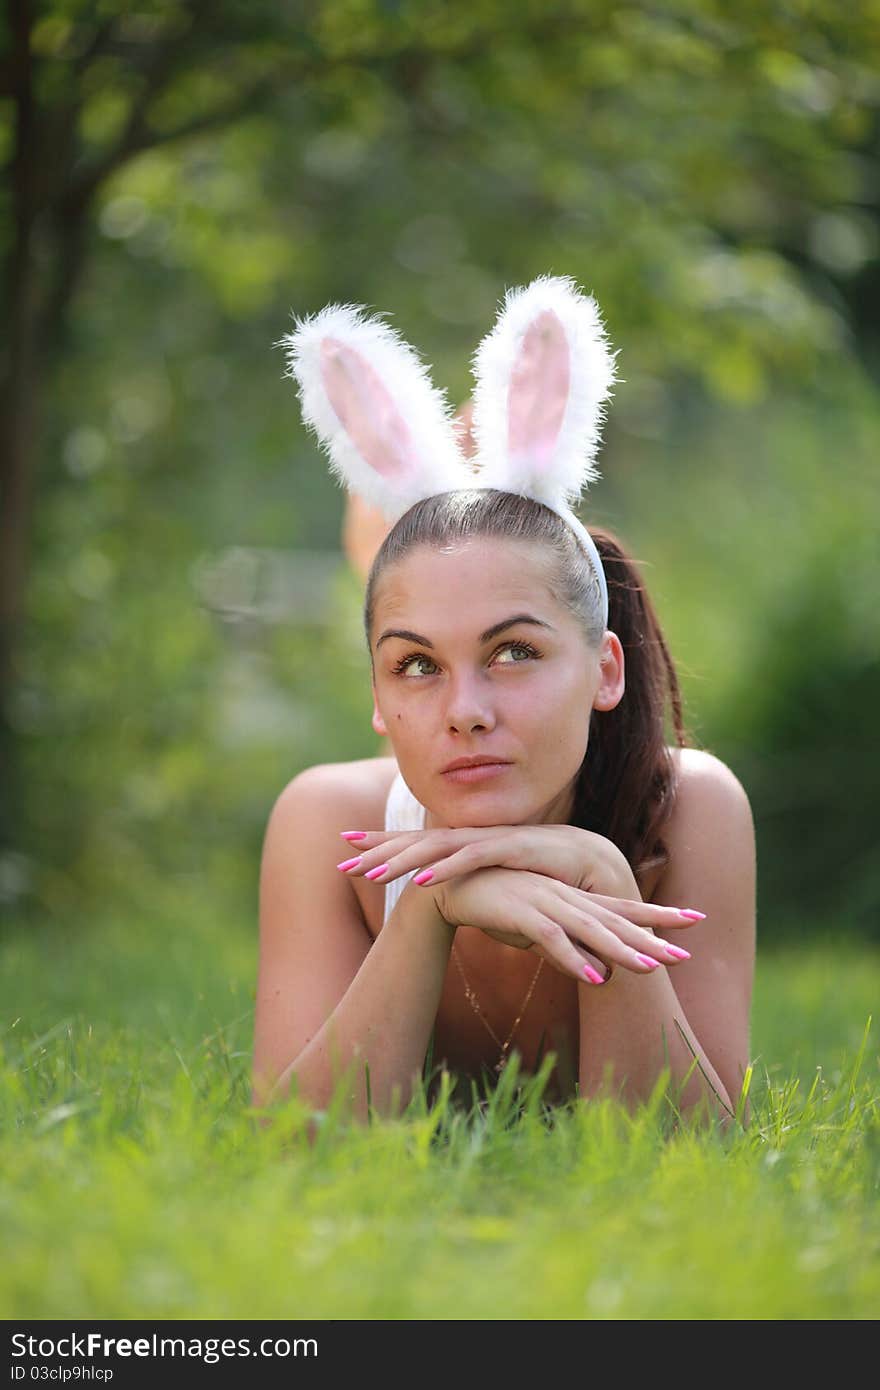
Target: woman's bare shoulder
x: 709, y: 803
x: 711, y: 815
x: 700, y: 773
x: 358, y: 788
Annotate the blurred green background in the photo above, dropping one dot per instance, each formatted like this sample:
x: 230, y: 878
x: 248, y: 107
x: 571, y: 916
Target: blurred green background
x: 181, y: 632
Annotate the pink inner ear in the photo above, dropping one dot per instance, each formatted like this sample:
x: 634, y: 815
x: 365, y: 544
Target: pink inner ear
x: 538, y: 393
x: 366, y: 411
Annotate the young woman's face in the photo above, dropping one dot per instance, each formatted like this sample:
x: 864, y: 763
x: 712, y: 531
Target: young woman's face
x: 461, y: 683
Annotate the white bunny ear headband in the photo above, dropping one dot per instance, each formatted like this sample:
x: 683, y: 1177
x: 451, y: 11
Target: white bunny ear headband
x: 542, y: 375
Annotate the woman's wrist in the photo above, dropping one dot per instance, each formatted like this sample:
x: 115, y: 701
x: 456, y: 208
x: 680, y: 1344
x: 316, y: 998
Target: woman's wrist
x: 613, y: 877
x: 418, y: 908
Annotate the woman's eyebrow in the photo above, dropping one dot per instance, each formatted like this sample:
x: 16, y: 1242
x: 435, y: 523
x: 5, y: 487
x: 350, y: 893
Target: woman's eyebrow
x: 486, y: 636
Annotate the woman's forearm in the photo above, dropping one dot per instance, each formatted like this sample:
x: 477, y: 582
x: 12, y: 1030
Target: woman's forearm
x: 633, y: 1027
x: 630, y: 1030
x: 385, y: 1017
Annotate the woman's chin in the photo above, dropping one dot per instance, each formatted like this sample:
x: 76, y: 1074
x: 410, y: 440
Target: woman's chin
x: 477, y: 813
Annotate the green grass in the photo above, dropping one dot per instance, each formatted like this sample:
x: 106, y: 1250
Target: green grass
x: 136, y: 1182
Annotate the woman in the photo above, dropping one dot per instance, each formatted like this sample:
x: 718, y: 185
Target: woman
x: 529, y: 904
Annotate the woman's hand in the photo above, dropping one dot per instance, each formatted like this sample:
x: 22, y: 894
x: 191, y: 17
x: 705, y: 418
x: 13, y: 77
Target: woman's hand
x: 562, y: 858
x: 577, y: 857
x: 567, y: 853
x: 563, y: 924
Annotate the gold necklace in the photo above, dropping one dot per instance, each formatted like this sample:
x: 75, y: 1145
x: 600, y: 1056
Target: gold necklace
x: 474, y: 1003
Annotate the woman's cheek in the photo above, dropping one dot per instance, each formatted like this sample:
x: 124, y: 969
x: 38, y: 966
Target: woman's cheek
x: 410, y: 717
x: 537, y: 704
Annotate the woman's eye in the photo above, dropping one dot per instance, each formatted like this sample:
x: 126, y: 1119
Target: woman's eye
x: 408, y: 661
x: 403, y: 666
x: 517, y: 647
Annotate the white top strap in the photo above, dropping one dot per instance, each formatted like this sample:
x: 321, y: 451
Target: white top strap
x: 402, y: 812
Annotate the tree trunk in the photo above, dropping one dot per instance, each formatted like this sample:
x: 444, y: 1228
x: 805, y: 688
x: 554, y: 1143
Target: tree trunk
x: 17, y: 411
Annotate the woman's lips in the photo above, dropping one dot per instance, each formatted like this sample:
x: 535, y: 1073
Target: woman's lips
x: 478, y: 773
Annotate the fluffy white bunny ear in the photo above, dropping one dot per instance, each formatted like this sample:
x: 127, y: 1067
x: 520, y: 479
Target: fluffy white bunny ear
x: 541, y: 377
x: 387, y: 429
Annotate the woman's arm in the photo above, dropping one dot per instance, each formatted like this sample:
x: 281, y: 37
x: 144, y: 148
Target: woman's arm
x: 630, y: 1024
x: 327, y: 995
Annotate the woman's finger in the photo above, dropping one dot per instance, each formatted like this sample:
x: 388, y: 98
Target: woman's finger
x: 650, y: 914
x: 398, y: 852
x: 438, y: 860
x: 640, y: 939
x: 590, y: 932
x: 369, y: 839
x: 480, y: 854
x: 553, y: 943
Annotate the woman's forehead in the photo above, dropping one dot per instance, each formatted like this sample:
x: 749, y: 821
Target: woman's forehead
x: 441, y: 597
x: 499, y: 566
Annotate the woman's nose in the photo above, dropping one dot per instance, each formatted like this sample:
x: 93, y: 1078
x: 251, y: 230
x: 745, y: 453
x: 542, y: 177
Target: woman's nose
x: 469, y: 706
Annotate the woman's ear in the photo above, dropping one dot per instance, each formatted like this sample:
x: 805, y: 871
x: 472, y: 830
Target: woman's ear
x: 612, y: 673
x: 377, y: 721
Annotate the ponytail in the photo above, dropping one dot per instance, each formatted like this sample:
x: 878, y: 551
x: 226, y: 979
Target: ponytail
x: 626, y: 786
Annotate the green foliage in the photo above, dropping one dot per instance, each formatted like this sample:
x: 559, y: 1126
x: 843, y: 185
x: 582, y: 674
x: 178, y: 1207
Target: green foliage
x: 709, y: 175
x: 764, y: 565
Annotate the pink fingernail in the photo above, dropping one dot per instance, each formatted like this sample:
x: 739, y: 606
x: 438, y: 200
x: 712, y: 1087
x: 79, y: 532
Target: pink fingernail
x: 349, y: 863
x: 676, y: 952
x: 593, y: 975
x: 424, y: 877
x: 353, y: 834
x: 691, y: 914
x: 648, y: 960
x: 374, y: 873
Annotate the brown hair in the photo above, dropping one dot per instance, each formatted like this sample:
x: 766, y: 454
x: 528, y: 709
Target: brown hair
x: 626, y: 784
